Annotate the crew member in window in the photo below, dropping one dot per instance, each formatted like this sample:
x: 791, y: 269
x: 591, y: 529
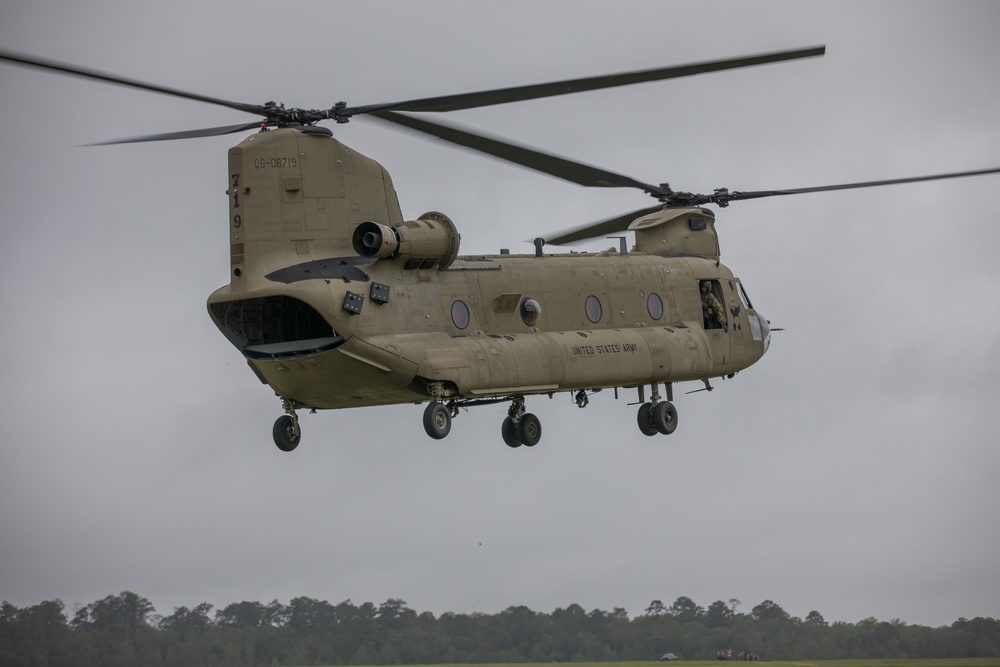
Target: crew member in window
x: 711, y: 310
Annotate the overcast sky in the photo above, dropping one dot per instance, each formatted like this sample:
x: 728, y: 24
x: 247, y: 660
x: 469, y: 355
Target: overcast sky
x: 853, y: 471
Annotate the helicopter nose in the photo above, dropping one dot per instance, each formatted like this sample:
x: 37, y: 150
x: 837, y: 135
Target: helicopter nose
x: 765, y: 330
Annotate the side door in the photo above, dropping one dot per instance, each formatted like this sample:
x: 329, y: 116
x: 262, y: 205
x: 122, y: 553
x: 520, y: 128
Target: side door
x: 717, y: 317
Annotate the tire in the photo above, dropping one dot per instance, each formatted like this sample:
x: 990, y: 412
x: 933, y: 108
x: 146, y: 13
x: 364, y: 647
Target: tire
x: 509, y: 433
x: 665, y: 417
x: 529, y: 430
x: 286, y: 436
x: 437, y: 420
x: 645, y: 419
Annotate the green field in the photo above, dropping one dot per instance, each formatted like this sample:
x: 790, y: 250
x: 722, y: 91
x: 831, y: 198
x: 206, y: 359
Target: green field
x: 952, y: 662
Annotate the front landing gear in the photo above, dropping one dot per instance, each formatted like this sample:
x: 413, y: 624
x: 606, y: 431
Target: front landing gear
x: 657, y: 416
x: 286, y: 431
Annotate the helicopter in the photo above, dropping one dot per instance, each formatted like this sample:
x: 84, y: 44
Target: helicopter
x: 336, y: 300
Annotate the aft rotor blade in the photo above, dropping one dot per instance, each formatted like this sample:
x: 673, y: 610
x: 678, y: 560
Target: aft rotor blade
x: 72, y: 70
x: 618, y: 223
x: 535, y: 91
x: 184, y: 134
x: 734, y: 196
x: 567, y: 170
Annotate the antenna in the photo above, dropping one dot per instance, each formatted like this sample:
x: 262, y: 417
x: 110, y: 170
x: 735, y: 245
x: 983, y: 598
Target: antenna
x: 622, y: 243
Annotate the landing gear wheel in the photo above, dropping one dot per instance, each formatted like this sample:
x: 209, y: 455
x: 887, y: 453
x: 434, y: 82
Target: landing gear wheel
x: 437, y: 420
x: 665, y: 417
x: 529, y: 430
x: 286, y: 433
x: 509, y: 432
x: 645, y: 419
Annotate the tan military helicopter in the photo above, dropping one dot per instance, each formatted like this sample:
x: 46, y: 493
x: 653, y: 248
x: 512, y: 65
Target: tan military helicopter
x: 337, y: 301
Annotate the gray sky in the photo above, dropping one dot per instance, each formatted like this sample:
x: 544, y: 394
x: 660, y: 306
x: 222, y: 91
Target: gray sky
x: 852, y: 471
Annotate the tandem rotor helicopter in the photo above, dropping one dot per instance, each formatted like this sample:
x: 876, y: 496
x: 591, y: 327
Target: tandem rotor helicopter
x: 336, y: 300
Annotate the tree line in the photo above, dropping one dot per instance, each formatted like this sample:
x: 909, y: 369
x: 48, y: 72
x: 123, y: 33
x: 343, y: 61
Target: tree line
x: 125, y: 629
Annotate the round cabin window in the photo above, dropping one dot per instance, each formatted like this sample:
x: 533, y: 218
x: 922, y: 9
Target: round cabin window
x: 654, y: 305
x: 594, y: 310
x: 530, y: 312
x: 460, y: 314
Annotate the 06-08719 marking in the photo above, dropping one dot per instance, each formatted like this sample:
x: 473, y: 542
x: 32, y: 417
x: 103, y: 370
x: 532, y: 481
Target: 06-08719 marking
x: 275, y: 162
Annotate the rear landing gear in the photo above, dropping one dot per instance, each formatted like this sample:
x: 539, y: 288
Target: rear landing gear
x: 286, y: 431
x: 520, y: 427
x: 437, y: 420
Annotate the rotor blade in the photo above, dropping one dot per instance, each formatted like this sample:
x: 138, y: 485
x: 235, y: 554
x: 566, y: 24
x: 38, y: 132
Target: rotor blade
x: 521, y: 93
x: 72, y: 70
x: 735, y: 196
x: 184, y: 134
x: 604, y: 227
x: 567, y: 170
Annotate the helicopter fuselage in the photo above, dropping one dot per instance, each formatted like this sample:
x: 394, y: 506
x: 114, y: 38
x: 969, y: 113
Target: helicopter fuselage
x: 405, y: 319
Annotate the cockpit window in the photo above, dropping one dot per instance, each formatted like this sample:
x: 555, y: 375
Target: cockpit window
x: 743, y: 296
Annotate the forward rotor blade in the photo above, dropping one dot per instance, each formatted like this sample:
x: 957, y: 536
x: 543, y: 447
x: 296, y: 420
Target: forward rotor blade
x: 722, y: 198
x: 184, y: 134
x: 521, y: 93
x: 603, y: 228
x: 72, y: 70
x: 567, y: 170
x: 735, y: 196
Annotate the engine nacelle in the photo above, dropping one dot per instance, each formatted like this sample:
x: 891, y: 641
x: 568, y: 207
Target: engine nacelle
x: 425, y: 243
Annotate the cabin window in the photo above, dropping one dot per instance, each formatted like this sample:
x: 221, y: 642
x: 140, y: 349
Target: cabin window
x: 654, y: 305
x: 530, y: 312
x: 460, y: 314
x: 594, y: 309
x: 713, y: 311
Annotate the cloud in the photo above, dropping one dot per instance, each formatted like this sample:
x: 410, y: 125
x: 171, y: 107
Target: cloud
x: 850, y: 471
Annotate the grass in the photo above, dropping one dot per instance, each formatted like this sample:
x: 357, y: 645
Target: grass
x: 952, y: 662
